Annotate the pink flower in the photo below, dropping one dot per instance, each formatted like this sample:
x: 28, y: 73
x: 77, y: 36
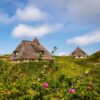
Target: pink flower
x: 45, y: 85
x: 72, y: 91
x: 91, y: 86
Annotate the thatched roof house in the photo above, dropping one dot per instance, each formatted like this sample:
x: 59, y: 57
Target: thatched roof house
x: 30, y: 51
x: 78, y: 53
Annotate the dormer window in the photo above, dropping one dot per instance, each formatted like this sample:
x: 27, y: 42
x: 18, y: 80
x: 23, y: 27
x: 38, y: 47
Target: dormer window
x: 16, y: 53
x: 40, y: 53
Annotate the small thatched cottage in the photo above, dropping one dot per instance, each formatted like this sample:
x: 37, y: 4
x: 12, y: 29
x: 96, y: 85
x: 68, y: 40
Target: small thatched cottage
x: 78, y: 53
x: 30, y: 51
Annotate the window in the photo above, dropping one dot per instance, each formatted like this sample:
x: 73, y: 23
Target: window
x: 40, y: 54
x: 16, y: 53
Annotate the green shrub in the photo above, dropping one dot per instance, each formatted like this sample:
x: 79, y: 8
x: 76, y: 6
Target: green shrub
x: 24, y: 81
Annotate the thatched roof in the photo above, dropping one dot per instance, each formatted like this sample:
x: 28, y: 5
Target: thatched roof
x: 78, y: 53
x: 29, y: 50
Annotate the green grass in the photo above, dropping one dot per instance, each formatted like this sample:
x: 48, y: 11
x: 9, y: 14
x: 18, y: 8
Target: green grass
x: 24, y: 80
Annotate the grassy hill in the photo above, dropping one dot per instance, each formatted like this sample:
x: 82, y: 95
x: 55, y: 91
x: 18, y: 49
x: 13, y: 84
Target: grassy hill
x: 94, y: 57
x: 24, y: 81
x: 4, y: 57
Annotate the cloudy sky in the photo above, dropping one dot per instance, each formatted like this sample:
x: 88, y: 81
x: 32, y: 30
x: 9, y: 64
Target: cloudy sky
x: 62, y: 23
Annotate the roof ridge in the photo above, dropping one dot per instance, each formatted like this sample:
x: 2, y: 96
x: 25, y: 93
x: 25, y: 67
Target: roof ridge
x: 26, y: 41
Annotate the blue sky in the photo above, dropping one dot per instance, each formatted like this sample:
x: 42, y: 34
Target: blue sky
x: 62, y: 23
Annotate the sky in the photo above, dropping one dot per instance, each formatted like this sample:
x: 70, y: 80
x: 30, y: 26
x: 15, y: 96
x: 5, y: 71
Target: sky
x: 65, y: 24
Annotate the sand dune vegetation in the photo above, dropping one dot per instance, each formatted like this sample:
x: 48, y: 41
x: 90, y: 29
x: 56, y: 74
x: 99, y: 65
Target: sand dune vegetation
x: 63, y: 78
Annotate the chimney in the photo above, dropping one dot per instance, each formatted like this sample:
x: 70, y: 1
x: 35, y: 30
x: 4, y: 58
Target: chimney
x: 36, y: 41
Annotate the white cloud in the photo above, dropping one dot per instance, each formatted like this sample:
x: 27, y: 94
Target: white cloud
x: 29, y: 13
x: 79, y: 11
x: 90, y: 38
x: 53, y: 3
x: 30, y: 31
x: 84, y: 11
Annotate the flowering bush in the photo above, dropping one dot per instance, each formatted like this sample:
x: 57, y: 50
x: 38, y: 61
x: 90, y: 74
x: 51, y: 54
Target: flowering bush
x: 39, y: 81
x: 72, y: 91
x: 45, y: 85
